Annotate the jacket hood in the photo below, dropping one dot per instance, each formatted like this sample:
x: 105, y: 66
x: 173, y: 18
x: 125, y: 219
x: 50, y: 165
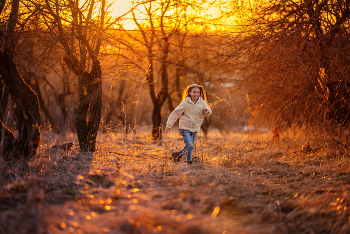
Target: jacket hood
x: 190, y: 100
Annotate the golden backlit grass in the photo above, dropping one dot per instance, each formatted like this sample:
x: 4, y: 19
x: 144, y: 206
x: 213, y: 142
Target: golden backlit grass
x: 239, y: 183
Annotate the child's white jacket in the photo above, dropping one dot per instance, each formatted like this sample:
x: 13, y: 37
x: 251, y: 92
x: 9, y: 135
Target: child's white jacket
x: 190, y: 114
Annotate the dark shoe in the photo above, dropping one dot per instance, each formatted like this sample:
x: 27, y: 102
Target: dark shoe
x: 189, y: 162
x: 196, y: 160
x: 176, y: 156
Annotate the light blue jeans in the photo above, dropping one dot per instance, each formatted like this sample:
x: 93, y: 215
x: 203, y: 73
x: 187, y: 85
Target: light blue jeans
x: 189, y: 138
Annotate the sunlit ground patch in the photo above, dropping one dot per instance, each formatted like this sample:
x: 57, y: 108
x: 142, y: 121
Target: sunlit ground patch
x: 238, y: 184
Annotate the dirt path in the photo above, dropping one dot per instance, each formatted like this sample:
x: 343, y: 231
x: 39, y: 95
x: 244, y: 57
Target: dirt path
x: 237, y: 186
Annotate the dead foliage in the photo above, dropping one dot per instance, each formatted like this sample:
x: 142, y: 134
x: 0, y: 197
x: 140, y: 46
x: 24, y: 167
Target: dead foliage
x: 238, y: 184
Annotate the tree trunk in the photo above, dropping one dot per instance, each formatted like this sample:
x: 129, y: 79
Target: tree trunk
x: 28, y: 116
x: 163, y: 45
x: 157, y: 121
x: 4, y: 96
x: 87, y: 115
x: 162, y: 94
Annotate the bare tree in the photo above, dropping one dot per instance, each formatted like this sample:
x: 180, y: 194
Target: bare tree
x: 27, y: 104
x: 149, y: 40
x: 158, y: 23
x: 296, y: 60
x: 81, y: 42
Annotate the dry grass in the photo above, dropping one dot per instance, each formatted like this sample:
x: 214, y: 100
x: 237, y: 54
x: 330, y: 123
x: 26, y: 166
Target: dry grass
x: 239, y: 184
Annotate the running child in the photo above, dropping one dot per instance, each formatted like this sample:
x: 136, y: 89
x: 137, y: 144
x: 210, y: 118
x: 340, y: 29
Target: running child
x: 190, y: 111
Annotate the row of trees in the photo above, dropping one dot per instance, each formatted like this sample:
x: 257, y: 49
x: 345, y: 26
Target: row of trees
x: 291, y: 58
x: 39, y: 34
x: 298, y: 65
x: 36, y: 32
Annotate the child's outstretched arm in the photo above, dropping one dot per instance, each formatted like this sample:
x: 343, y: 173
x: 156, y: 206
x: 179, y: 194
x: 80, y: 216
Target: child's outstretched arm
x: 179, y: 110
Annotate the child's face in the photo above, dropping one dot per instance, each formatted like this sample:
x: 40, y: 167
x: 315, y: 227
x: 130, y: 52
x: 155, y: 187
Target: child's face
x: 195, y: 93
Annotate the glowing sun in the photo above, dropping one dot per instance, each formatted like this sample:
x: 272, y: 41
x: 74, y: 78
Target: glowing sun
x: 119, y: 8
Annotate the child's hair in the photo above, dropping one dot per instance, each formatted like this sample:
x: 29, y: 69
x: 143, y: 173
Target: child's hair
x: 189, y: 88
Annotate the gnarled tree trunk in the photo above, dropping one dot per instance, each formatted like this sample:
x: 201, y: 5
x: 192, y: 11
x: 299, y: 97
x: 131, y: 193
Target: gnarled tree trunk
x: 88, y: 113
x: 28, y: 115
x: 27, y: 103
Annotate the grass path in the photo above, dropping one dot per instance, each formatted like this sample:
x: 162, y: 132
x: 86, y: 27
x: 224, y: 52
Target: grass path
x: 238, y: 185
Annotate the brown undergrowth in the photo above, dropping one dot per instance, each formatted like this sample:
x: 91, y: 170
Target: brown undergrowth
x: 238, y: 184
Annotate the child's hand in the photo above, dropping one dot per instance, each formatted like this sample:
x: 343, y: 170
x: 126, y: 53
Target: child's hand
x: 167, y: 129
x: 206, y: 111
